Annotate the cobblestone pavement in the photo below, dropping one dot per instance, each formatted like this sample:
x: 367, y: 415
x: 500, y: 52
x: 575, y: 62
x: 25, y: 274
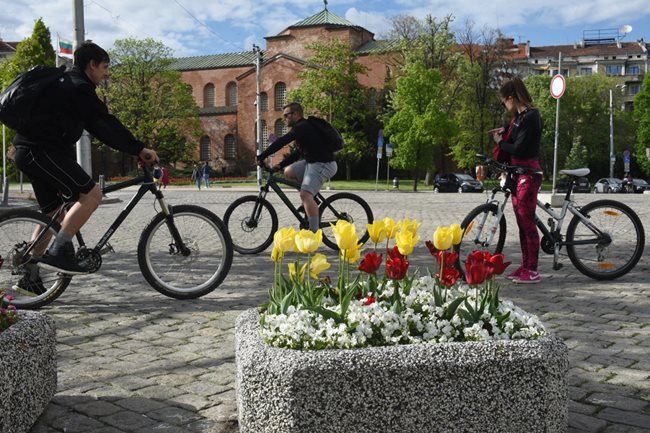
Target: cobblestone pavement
x: 133, y: 360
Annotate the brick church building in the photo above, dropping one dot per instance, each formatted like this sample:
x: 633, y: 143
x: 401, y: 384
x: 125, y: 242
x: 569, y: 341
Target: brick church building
x: 224, y: 85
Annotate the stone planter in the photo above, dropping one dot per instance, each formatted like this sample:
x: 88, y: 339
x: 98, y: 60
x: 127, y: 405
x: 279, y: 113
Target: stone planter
x: 516, y: 386
x: 27, y: 371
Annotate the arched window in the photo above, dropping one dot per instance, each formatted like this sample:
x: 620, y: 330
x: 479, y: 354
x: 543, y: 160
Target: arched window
x: 208, y: 95
x: 280, y: 128
x: 372, y: 99
x: 231, y: 94
x: 230, y: 147
x: 265, y: 135
x: 264, y: 101
x: 206, y: 151
x: 280, y: 96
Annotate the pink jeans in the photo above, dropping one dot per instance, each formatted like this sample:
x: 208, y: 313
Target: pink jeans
x: 524, y: 202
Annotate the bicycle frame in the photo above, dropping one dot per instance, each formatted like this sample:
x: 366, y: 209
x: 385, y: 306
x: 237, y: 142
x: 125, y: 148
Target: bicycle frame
x: 146, y: 185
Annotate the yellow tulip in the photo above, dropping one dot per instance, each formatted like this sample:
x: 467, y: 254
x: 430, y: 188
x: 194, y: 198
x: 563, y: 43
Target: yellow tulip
x: 293, y: 270
x: 377, y: 231
x: 318, y: 264
x: 345, y: 234
x: 406, y: 241
x: 442, y: 238
x: 457, y: 233
x: 276, y: 254
x: 391, y: 227
x: 351, y: 255
x: 307, y: 241
x: 285, y: 239
x: 409, y: 226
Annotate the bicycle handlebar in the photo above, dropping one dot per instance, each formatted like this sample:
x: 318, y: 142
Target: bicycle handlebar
x: 506, y: 167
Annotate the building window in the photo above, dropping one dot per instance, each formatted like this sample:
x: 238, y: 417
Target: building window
x: 206, y: 151
x: 613, y: 69
x: 264, y: 101
x: 265, y: 135
x: 230, y: 147
x: 231, y: 94
x: 633, y: 70
x: 586, y: 71
x: 280, y: 96
x: 634, y: 89
x: 280, y: 128
x: 629, y: 106
x: 564, y: 72
x: 208, y: 95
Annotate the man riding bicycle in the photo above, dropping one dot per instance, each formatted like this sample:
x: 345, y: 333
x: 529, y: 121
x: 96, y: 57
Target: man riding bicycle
x: 45, y: 152
x: 311, y: 162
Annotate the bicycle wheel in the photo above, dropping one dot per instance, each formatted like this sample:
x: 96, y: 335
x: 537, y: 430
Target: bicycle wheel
x: 615, y: 257
x: 30, y: 286
x: 252, y: 222
x: 346, y: 206
x: 478, y: 227
x: 190, y: 275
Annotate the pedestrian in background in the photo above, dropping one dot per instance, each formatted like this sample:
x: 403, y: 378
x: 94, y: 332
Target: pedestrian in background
x: 164, y: 179
x: 197, y: 176
x: 205, y: 170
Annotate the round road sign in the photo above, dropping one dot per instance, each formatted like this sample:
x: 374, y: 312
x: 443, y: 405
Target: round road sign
x: 558, y: 86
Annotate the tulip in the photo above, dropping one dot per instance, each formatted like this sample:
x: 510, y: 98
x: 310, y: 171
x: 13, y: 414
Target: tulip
x: 476, y: 273
x: 318, y: 264
x: 394, y: 253
x: 293, y: 272
x: 307, y: 241
x: 406, y: 241
x: 443, y: 238
x: 285, y: 239
x: 396, y: 268
x: 369, y: 300
x: 377, y: 231
x: 449, y: 276
x: 371, y: 263
x: 345, y: 234
x: 497, y: 264
x: 408, y: 226
x: 391, y: 227
x: 457, y: 233
x: 276, y: 254
x: 351, y: 255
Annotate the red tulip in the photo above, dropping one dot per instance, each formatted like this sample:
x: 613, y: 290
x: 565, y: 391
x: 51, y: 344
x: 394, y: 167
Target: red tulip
x: 449, y: 276
x: 369, y: 300
x: 497, y: 263
x: 432, y: 249
x: 476, y: 273
x: 370, y: 263
x: 396, y: 268
x: 394, y: 253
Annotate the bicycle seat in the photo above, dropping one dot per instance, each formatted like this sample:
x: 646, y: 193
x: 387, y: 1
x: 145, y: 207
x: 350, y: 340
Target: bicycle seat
x: 577, y: 172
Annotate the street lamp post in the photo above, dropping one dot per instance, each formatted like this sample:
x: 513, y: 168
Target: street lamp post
x: 612, y: 155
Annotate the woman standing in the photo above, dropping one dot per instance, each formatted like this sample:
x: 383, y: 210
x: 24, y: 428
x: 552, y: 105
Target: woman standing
x: 521, y: 139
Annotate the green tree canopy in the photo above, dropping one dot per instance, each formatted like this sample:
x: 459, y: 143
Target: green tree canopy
x: 151, y: 100
x: 418, y: 124
x: 642, y: 114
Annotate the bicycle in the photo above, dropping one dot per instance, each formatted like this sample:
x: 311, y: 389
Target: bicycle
x: 254, y: 214
x: 184, y: 252
x: 604, y: 239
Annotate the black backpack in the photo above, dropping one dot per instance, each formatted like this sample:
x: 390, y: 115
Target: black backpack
x: 17, y: 101
x: 330, y: 134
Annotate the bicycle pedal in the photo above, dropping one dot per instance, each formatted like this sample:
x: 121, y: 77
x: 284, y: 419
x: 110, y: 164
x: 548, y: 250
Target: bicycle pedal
x: 557, y: 266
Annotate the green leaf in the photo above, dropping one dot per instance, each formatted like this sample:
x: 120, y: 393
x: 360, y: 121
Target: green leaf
x: 449, y: 312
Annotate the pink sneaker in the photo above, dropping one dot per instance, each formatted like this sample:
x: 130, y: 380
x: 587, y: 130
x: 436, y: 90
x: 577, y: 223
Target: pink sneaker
x: 515, y: 273
x: 527, y: 277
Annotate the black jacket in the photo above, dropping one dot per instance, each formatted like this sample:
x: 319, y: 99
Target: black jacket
x: 310, y: 145
x: 526, y: 135
x: 65, y: 110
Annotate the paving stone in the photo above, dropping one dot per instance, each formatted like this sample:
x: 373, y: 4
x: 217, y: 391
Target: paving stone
x: 625, y: 417
x: 97, y: 408
x: 618, y: 402
x: 127, y: 420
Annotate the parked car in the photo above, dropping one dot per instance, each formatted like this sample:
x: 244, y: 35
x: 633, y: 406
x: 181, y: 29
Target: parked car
x: 583, y: 185
x: 608, y: 184
x: 640, y: 185
x: 456, y: 182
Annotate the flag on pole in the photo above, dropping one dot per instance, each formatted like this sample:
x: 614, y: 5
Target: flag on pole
x: 65, y: 47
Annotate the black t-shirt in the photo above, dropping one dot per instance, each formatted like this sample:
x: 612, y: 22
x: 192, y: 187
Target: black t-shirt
x: 310, y: 145
x: 526, y: 135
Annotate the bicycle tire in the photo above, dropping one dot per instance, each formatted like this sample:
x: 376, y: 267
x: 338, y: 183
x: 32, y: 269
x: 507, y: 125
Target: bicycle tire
x: 17, y: 227
x: 349, y: 207
x: 247, y: 238
x: 606, y: 262
x: 171, y: 273
x: 475, y: 235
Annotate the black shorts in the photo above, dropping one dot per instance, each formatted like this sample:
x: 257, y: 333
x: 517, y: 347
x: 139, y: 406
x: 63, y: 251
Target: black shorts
x: 55, y: 178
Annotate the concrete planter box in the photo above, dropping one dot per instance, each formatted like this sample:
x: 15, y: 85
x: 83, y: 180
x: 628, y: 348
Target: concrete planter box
x: 516, y: 386
x: 27, y: 371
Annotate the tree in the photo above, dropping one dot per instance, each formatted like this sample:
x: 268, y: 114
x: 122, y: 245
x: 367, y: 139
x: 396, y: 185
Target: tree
x: 330, y: 87
x: 642, y: 114
x: 151, y: 100
x: 418, y: 123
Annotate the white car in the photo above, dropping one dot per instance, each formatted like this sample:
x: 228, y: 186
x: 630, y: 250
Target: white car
x: 608, y: 184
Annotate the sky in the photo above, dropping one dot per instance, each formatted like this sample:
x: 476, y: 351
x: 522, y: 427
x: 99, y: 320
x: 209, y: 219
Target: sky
x: 203, y: 27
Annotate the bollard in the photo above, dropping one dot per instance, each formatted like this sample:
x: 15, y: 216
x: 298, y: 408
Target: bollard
x: 395, y: 183
x: 102, y: 182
